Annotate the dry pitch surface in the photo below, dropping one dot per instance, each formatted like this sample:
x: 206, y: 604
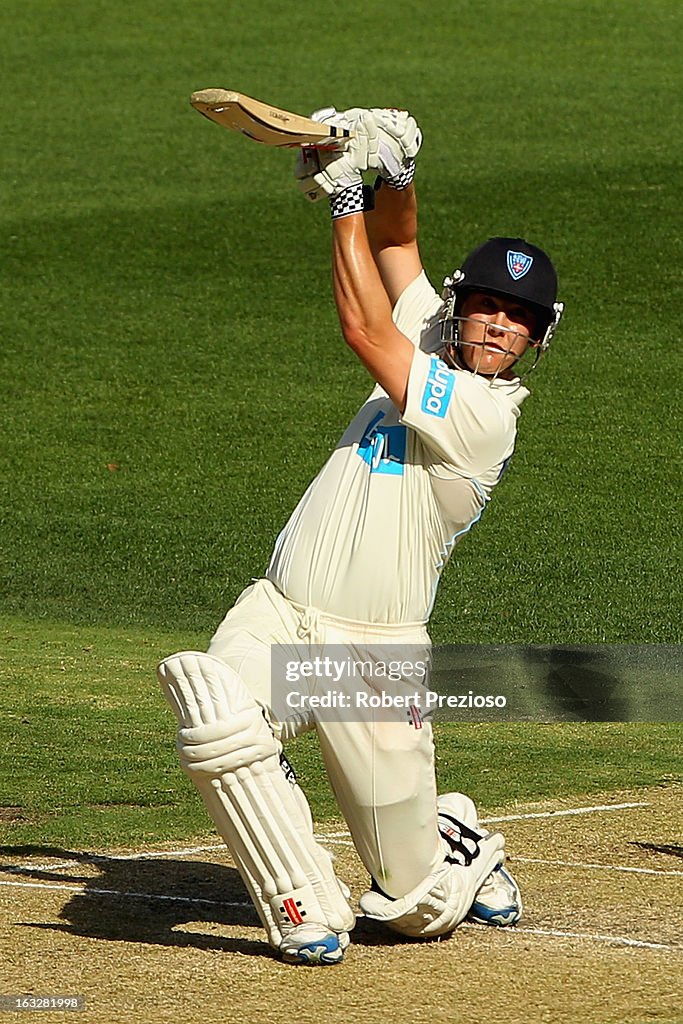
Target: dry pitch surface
x: 168, y: 935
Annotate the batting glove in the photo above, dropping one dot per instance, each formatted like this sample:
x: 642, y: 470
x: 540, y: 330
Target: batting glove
x: 337, y: 173
x: 399, y: 138
x: 393, y: 155
x: 398, y: 131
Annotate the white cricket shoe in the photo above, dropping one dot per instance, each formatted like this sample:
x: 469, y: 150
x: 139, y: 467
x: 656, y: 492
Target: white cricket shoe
x: 313, y: 944
x: 498, y: 901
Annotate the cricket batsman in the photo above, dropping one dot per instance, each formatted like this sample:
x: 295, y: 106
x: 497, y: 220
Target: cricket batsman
x: 358, y: 564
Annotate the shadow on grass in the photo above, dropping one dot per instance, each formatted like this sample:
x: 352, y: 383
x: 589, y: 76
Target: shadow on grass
x: 151, y: 900
x: 146, y: 899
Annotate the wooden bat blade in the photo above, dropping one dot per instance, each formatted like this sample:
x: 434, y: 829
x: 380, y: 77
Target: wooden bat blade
x: 263, y: 122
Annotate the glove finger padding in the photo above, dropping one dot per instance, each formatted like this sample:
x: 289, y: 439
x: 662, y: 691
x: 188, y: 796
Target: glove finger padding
x: 399, y: 141
x: 442, y: 901
x: 336, y: 118
x: 402, y: 127
x: 330, y: 115
x: 323, y: 172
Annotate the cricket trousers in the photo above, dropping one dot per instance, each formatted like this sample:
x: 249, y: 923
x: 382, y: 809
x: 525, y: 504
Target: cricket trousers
x: 380, y: 762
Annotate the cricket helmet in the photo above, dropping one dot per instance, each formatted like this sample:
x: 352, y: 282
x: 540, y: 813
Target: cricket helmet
x: 514, y: 269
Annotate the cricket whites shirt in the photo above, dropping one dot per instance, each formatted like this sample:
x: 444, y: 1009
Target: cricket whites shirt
x: 372, y: 533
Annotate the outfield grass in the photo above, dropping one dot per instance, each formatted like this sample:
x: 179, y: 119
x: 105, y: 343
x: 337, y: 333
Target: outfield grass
x: 173, y: 374
x: 89, y: 758
x: 168, y: 306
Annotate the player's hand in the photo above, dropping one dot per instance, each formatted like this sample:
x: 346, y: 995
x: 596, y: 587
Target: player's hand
x: 399, y: 142
x: 324, y: 172
x: 399, y: 134
x: 398, y: 131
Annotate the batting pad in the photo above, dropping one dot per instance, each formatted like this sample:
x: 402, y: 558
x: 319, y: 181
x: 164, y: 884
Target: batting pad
x: 443, y: 899
x: 228, y: 750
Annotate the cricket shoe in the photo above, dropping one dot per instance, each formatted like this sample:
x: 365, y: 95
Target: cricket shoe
x: 314, y: 945
x: 498, y: 901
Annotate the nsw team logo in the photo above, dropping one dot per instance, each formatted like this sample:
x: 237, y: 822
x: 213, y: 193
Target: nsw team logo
x: 519, y: 264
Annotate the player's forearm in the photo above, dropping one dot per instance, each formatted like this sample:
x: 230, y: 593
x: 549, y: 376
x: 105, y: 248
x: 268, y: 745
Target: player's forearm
x: 393, y: 222
x: 365, y: 310
x: 362, y: 303
x: 392, y: 233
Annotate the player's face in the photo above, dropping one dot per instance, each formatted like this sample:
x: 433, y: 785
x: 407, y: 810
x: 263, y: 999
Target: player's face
x: 497, y: 332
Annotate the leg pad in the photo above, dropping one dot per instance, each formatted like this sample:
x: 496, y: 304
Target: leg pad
x: 227, y: 748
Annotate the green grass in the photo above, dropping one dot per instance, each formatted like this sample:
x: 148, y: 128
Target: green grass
x: 173, y: 374
x: 88, y: 756
x: 168, y: 306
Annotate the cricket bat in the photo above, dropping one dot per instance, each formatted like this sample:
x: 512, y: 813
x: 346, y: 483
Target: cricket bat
x: 265, y: 123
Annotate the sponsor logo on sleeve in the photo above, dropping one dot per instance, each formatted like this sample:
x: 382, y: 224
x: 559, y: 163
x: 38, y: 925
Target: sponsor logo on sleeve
x: 438, y: 389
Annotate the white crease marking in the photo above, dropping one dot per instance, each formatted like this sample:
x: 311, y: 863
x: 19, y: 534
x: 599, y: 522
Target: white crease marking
x: 85, y: 890
x: 604, y: 867
x: 619, y: 940
x: 561, y: 814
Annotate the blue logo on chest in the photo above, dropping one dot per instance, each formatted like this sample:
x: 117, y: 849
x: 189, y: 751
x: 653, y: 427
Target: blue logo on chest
x: 383, y: 447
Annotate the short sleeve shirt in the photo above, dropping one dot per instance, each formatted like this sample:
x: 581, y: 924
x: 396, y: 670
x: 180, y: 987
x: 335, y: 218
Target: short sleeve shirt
x: 371, y: 535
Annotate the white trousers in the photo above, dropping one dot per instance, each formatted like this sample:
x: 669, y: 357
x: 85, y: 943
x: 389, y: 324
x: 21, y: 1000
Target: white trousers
x: 380, y: 766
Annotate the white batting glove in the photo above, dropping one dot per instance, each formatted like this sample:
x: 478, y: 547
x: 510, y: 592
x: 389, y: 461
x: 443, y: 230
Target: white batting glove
x: 312, y: 160
x: 399, y: 138
x: 308, y: 163
x: 330, y: 115
x: 338, y: 173
x: 398, y: 129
